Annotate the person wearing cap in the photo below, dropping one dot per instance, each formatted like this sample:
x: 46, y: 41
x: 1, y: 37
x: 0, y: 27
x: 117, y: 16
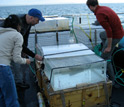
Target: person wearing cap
x: 109, y: 20
x: 27, y: 21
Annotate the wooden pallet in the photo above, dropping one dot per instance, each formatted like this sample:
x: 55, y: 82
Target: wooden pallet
x: 84, y: 95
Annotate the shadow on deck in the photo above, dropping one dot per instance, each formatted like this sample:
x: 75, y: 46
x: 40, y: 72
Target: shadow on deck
x: 28, y: 97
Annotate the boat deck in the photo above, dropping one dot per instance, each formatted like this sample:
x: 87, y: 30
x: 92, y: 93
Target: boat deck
x: 117, y: 98
x: 28, y: 97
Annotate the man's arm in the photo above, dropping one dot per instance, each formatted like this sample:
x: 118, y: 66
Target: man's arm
x: 104, y: 23
x: 30, y: 53
x: 108, y: 49
x: 108, y: 30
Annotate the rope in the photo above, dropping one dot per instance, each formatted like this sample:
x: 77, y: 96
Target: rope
x: 120, y: 72
x: 90, y: 34
x: 118, y: 76
x: 113, y: 57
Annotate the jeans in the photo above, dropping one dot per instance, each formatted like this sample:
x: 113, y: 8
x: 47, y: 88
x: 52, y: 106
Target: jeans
x: 19, y: 72
x: 8, y: 93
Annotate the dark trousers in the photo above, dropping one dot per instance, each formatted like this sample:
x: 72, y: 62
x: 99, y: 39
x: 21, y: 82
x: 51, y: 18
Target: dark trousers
x: 107, y: 56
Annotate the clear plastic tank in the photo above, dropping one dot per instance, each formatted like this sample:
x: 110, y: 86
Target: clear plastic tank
x: 68, y: 67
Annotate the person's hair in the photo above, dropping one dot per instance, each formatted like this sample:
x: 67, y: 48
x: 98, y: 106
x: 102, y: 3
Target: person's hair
x: 92, y: 3
x: 12, y: 21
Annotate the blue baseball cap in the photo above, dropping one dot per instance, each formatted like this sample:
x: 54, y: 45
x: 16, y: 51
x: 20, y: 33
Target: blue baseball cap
x: 36, y: 13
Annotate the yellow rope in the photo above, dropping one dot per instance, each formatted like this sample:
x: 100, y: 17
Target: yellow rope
x: 90, y: 34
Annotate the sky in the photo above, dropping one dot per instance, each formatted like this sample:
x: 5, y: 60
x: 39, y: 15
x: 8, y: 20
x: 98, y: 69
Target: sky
x: 35, y: 2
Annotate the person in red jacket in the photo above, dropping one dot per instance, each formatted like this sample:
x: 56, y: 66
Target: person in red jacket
x: 110, y: 21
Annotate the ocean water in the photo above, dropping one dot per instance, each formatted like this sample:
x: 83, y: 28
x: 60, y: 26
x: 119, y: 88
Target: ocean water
x: 58, y: 9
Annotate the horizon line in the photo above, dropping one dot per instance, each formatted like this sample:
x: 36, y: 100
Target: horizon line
x: 49, y: 4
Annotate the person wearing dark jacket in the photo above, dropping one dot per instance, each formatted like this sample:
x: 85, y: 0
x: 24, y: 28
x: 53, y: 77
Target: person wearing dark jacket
x: 109, y: 20
x: 32, y: 18
x: 27, y: 21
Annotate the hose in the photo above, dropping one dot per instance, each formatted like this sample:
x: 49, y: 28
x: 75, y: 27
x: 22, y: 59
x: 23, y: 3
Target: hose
x: 119, y: 73
x: 32, y: 69
x: 72, y: 31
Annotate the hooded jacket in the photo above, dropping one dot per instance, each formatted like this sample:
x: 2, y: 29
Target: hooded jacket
x: 10, y: 46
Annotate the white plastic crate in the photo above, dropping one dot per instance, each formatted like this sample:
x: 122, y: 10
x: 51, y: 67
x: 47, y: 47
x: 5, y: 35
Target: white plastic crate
x: 51, y: 24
